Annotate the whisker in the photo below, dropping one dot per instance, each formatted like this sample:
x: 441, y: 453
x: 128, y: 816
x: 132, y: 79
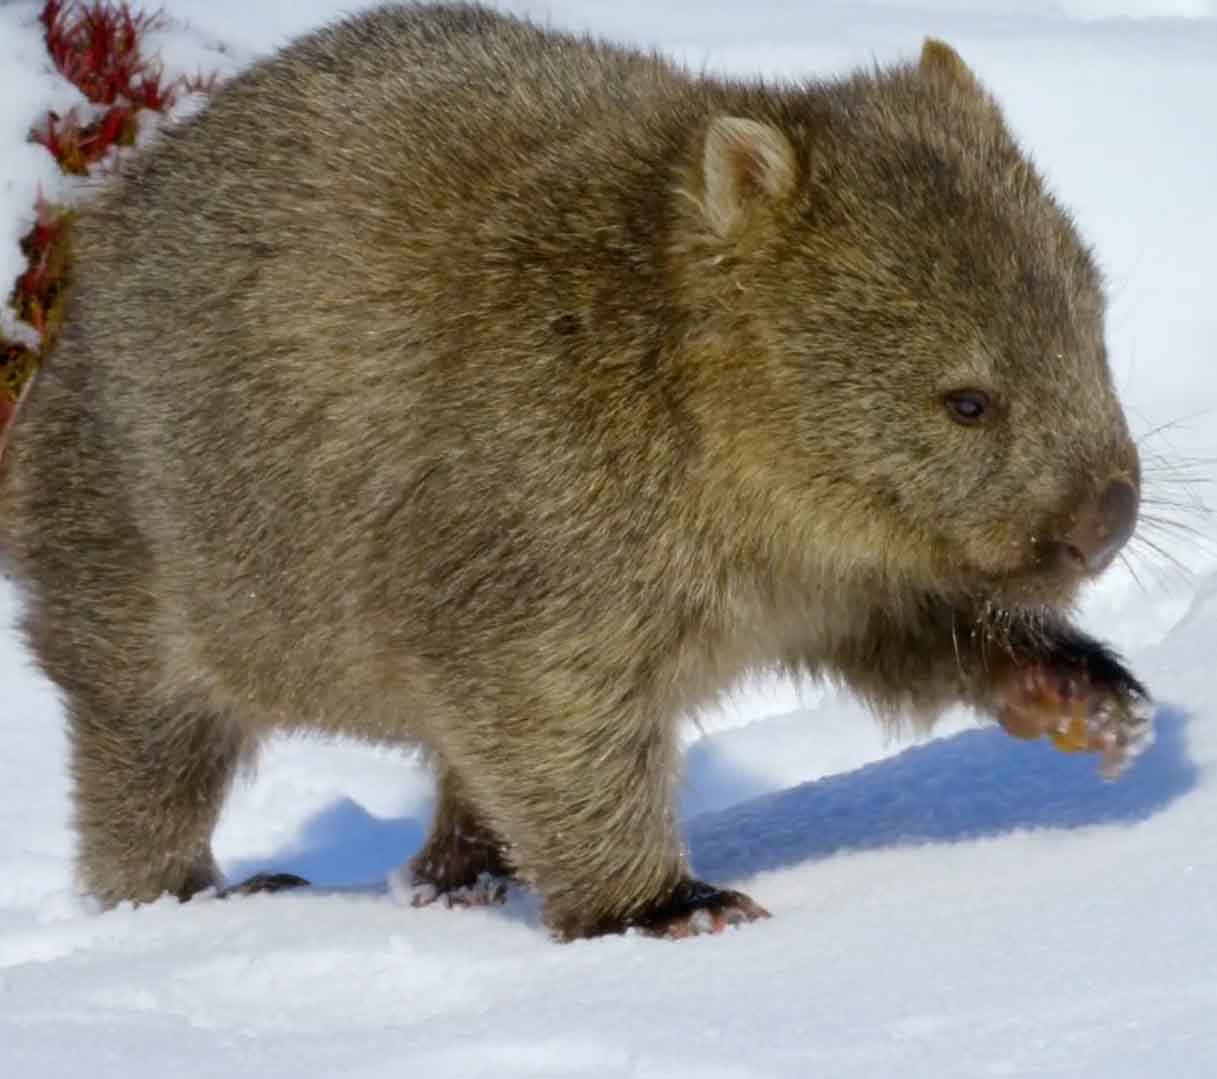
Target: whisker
x: 1183, y: 569
x: 1170, y: 425
x: 1188, y: 465
x: 1127, y: 563
x: 1169, y: 524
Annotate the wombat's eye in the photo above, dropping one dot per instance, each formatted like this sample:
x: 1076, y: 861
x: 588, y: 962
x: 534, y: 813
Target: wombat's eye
x: 967, y: 406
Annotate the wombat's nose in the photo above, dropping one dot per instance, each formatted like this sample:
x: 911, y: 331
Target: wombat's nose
x: 1104, y: 526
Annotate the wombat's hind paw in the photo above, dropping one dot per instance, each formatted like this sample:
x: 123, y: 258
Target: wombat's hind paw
x: 265, y: 882
x: 489, y: 889
x: 696, y: 908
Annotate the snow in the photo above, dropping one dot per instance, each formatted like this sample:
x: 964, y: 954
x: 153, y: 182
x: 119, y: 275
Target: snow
x: 970, y: 906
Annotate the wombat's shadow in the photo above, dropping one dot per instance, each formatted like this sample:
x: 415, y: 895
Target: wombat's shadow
x: 978, y: 783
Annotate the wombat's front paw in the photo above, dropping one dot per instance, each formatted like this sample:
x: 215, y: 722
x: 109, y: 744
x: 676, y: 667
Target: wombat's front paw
x: 1090, y: 703
x: 696, y: 908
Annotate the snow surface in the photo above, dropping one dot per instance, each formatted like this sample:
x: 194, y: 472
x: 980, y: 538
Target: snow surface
x: 971, y: 906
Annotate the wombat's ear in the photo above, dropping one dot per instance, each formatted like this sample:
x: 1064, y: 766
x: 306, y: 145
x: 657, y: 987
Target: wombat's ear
x: 746, y: 164
x: 938, y: 58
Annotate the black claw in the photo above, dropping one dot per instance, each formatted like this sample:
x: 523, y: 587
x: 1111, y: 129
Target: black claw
x: 1103, y: 666
x: 674, y: 916
x: 265, y: 882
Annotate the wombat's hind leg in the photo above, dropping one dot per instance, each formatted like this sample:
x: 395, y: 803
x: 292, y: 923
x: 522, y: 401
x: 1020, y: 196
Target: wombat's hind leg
x: 149, y: 785
x: 462, y: 863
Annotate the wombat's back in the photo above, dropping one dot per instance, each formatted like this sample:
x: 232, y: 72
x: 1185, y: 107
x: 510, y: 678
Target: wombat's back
x: 310, y: 368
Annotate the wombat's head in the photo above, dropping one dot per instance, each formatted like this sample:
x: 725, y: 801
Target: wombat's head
x: 923, y: 332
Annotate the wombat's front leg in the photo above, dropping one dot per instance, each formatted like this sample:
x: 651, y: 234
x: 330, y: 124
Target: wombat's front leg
x: 583, y: 799
x: 1031, y: 671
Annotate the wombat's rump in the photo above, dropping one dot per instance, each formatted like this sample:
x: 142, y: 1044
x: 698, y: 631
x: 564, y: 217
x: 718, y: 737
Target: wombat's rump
x: 452, y: 382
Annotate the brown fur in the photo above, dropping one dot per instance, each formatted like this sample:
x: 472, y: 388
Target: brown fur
x: 456, y: 383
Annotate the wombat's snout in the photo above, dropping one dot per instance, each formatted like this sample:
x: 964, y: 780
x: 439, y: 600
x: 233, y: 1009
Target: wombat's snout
x: 1103, y: 526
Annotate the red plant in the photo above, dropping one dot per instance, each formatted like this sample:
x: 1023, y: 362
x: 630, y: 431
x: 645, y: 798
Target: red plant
x: 38, y: 299
x: 152, y: 92
x: 77, y: 146
x: 39, y: 289
x: 96, y: 46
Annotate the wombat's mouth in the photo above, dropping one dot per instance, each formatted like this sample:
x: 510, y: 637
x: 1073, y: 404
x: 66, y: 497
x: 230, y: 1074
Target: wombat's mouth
x: 1040, y: 585
x: 1052, y: 577
x: 1050, y: 565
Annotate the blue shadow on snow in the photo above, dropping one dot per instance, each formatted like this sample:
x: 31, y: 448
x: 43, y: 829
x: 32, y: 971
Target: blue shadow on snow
x: 342, y: 845
x: 974, y: 784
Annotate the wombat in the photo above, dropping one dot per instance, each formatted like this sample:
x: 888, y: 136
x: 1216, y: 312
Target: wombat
x: 455, y: 383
